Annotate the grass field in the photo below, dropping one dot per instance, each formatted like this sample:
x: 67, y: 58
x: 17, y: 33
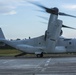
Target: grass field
x: 9, y: 52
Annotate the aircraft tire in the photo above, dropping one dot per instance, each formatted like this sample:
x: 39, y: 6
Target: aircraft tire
x: 39, y: 55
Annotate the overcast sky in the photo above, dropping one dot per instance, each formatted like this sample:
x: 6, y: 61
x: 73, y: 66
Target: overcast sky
x: 19, y: 19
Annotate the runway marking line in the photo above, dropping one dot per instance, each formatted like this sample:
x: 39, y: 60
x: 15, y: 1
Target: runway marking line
x: 46, y: 65
x: 39, y: 65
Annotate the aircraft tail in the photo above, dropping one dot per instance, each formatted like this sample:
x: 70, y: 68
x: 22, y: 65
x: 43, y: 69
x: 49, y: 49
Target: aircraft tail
x: 2, y: 38
x: 1, y: 34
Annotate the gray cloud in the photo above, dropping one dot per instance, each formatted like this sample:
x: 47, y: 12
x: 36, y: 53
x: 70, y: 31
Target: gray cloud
x: 69, y: 6
x: 8, y: 7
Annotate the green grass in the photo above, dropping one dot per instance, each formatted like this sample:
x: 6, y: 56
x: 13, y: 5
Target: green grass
x: 9, y: 52
x: 12, y: 52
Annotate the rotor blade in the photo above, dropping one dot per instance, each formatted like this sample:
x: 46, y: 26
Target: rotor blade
x: 62, y: 26
x: 43, y: 17
x: 64, y: 14
x: 41, y: 11
x: 50, y: 10
x: 68, y: 27
x: 37, y: 4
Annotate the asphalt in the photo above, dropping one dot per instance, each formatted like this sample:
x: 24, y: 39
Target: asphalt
x: 38, y: 66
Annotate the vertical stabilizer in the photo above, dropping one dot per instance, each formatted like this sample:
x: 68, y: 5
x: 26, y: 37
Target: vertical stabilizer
x: 1, y: 34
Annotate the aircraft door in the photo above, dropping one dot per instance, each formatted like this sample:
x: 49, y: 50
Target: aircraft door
x: 70, y: 45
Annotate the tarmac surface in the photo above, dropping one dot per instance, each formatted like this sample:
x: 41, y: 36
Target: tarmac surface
x: 38, y: 66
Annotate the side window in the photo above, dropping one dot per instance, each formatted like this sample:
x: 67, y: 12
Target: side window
x: 70, y: 43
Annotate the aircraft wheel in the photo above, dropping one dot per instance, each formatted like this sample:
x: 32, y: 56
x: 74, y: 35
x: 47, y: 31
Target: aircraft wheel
x: 39, y: 55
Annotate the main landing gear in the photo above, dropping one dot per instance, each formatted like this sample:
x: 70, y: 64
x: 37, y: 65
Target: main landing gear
x: 39, y: 55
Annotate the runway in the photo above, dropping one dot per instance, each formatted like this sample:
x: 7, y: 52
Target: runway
x: 38, y: 66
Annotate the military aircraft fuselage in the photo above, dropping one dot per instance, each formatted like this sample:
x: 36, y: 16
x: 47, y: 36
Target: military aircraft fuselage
x: 64, y: 45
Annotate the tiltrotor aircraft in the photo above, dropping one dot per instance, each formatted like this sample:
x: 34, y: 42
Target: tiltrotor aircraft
x: 48, y: 43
